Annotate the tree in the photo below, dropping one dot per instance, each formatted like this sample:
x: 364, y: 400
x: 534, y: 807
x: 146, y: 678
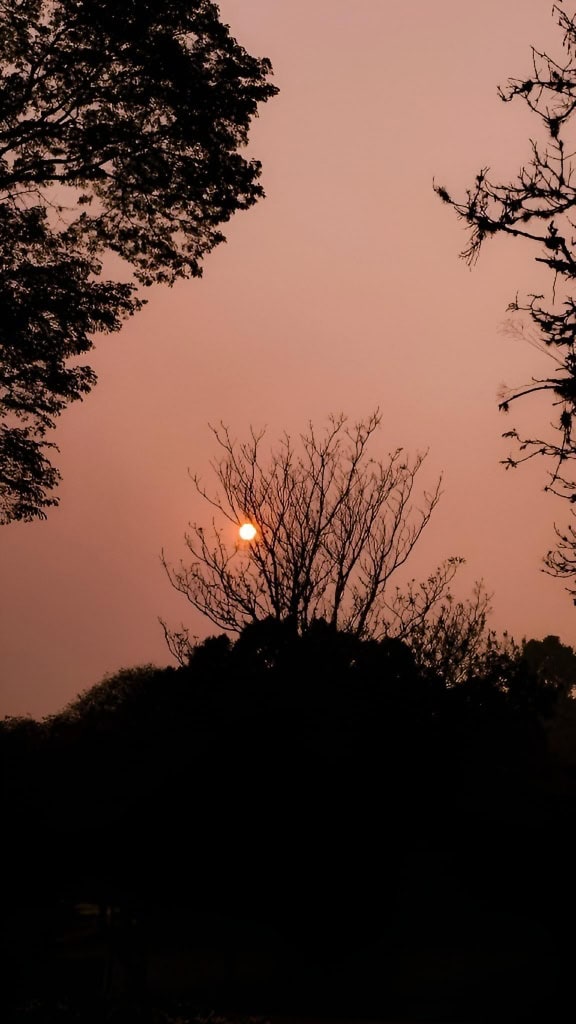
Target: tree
x: 553, y: 662
x: 449, y: 639
x: 539, y: 206
x: 120, y: 131
x: 333, y: 526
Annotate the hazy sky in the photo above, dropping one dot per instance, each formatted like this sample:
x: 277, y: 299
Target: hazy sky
x: 341, y: 291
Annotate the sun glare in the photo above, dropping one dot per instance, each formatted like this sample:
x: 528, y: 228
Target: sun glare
x: 247, y: 531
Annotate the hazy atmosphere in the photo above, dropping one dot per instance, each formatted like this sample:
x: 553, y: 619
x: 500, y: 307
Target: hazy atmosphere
x: 341, y: 291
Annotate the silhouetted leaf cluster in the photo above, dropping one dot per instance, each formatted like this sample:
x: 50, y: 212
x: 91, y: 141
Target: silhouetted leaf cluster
x: 120, y: 132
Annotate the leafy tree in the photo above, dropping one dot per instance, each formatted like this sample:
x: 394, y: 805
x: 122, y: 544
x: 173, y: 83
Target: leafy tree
x: 553, y: 662
x: 539, y: 206
x: 333, y: 526
x: 129, y: 687
x: 120, y: 132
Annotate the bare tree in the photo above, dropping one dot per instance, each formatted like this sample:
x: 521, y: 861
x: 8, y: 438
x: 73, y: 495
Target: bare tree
x: 333, y: 525
x: 449, y: 638
x: 539, y: 206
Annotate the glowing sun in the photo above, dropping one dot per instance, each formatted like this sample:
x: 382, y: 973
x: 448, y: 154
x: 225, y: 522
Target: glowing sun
x: 247, y: 531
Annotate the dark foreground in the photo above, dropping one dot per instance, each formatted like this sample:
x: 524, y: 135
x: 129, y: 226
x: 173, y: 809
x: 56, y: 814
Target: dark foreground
x: 335, y: 837
x: 425, y: 945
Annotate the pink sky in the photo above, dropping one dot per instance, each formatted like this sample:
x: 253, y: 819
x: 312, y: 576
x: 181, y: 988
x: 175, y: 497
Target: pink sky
x: 341, y: 291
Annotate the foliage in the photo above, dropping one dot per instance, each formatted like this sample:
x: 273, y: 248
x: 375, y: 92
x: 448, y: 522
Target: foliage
x: 120, y: 130
x: 539, y: 206
x: 108, y: 698
x: 333, y: 526
x: 51, y: 304
x: 553, y: 662
x: 273, y: 691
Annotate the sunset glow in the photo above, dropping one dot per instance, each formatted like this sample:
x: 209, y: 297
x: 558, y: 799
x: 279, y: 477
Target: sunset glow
x: 341, y: 291
x: 247, y: 531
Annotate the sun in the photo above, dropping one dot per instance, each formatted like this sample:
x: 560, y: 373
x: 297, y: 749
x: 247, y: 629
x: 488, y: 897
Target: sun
x: 247, y: 531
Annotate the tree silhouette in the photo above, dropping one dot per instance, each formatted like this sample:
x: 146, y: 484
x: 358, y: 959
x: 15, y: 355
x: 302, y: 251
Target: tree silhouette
x: 450, y: 638
x: 333, y: 526
x: 539, y: 206
x: 553, y: 662
x: 120, y: 131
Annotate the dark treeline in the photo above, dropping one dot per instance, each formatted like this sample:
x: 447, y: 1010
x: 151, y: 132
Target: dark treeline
x: 322, y: 790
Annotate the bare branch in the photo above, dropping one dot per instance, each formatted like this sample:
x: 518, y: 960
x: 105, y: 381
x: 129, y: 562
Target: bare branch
x: 333, y: 526
x: 539, y: 205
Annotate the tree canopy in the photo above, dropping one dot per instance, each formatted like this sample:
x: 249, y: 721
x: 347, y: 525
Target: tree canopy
x: 539, y: 205
x: 553, y: 662
x: 120, y: 132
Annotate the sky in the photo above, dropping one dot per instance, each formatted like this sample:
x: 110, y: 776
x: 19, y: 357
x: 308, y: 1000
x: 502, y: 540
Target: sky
x: 341, y: 291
